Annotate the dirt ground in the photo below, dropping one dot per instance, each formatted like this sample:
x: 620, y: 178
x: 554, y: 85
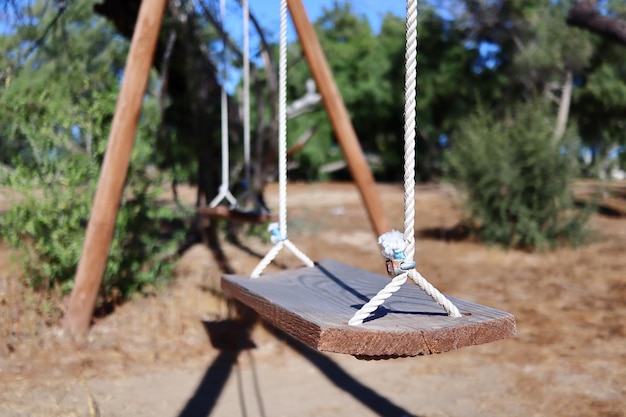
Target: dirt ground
x: 157, y: 356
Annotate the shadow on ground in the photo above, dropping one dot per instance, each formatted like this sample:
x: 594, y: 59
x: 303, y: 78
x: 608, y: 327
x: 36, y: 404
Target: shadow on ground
x: 232, y: 338
x: 457, y: 233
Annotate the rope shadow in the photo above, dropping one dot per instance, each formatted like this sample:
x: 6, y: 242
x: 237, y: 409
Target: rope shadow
x: 210, y: 388
x: 340, y: 283
x: 458, y: 233
x: 231, y: 337
x: 341, y: 379
x: 381, y: 311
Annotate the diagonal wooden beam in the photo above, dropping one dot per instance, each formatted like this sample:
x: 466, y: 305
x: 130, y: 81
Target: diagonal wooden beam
x: 114, y: 169
x: 339, y: 117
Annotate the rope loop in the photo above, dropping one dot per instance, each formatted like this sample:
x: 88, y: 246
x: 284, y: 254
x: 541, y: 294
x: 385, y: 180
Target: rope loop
x: 393, y: 248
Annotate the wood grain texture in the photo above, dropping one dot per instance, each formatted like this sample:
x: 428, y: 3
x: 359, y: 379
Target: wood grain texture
x: 240, y: 216
x: 315, y: 304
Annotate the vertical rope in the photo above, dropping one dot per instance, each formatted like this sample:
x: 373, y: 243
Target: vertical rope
x: 224, y: 100
x: 410, y: 115
x: 225, y: 156
x: 248, y: 194
x: 246, y: 90
x: 279, y: 236
x: 282, y: 122
x: 224, y: 192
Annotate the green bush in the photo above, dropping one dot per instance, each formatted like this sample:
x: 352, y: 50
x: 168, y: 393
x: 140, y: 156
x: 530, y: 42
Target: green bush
x: 53, y: 180
x: 517, y: 178
x: 57, y: 107
x: 47, y: 222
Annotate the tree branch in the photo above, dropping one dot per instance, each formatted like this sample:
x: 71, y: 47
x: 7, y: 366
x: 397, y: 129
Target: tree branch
x: 584, y: 15
x: 266, y: 55
x: 220, y: 28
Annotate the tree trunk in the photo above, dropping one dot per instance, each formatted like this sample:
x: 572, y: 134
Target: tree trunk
x: 564, y: 106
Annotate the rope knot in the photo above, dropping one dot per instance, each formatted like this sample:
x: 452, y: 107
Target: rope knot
x: 393, y: 245
x: 276, y: 236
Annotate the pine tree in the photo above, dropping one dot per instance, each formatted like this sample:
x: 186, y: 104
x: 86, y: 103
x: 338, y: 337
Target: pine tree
x: 516, y: 178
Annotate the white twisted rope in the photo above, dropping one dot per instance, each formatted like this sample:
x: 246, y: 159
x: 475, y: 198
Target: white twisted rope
x: 280, y: 232
x: 282, y: 121
x: 224, y: 192
x: 402, y: 262
x: 378, y: 300
x: 271, y: 255
x: 299, y: 254
x: 410, y: 115
x: 439, y: 298
x: 248, y: 195
x: 246, y: 90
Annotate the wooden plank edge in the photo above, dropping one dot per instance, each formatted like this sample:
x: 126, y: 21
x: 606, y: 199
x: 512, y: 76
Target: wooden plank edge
x: 225, y: 213
x: 369, y: 344
x: 300, y: 328
x: 372, y: 343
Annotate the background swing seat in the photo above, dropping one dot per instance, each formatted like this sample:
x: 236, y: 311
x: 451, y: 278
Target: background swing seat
x: 314, y: 306
x: 237, y: 215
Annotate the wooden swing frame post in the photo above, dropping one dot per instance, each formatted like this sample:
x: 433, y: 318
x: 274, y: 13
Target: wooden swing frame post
x: 114, y: 169
x: 339, y: 117
x: 105, y: 207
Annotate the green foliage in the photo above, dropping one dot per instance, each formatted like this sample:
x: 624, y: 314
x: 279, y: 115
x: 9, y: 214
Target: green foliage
x: 57, y: 99
x: 359, y: 66
x: 368, y: 68
x: 551, y: 47
x: 53, y: 137
x: 599, y: 105
x: 517, y: 179
x: 47, y: 224
x: 47, y: 227
x: 535, y: 49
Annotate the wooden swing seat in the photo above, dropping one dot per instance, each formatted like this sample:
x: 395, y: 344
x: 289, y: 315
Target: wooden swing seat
x: 237, y: 215
x: 315, y: 304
